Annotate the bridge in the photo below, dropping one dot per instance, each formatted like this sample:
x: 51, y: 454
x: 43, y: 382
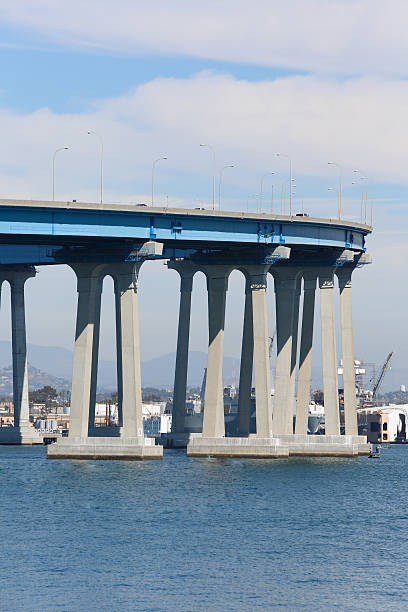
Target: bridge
x: 295, y: 253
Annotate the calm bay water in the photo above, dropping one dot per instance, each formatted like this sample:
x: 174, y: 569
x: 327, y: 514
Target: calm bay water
x: 200, y: 534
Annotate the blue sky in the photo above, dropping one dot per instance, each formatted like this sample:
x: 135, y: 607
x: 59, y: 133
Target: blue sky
x: 69, y: 82
x: 319, y: 81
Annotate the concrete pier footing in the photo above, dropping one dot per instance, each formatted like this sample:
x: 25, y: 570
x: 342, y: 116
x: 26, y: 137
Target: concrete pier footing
x: 325, y: 446
x: 133, y: 449
x: 251, y: 447
x: 282, y: 446
x: 24, y: 434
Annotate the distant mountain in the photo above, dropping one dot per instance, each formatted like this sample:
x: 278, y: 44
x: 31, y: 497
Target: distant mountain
x: 158, y: 372
x: 57, y: 361
x: 53, y: 359
x: 36, y: 379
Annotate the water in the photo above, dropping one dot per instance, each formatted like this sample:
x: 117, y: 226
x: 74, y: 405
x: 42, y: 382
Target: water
x: 198, y: 534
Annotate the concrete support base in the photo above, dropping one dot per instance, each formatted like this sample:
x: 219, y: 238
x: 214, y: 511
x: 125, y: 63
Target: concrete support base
x: 20, y: 435
x: 251, y: 447
x: 280, y: 447
x: 325, y: 446
x: 133, y: 449
x: 175, y: 440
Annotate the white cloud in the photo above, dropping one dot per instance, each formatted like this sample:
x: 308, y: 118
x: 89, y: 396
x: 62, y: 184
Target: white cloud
x: 340, y: 36
x: 356, y: 122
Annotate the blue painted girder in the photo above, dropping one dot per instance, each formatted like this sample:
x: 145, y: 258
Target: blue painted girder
x: 173, y: 226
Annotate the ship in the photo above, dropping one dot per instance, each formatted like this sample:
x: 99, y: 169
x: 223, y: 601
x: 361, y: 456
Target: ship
x: 193, y: 419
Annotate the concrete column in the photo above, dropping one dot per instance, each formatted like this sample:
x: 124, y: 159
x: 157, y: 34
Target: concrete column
x: 89, y: 285
x: 126, y: 277
x: 95, y: 357
x: 119, y: 367
x: 186, y: 271
x: 329, y: 355
x: 305, y: 355
x: 295, y: 333
x: 285, y: 293
x: 349, y: 377
x: 246, y: 367
x: 217, y: 284
x: 19, y: 347
x: 261, y: 354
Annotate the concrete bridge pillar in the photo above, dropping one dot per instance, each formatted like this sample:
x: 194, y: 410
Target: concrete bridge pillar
x: 22, y: 432
x: 85, y: 366
x: 255, y: 355
x: 128, y: 348
x: 257, y: 281
x: 329, y: 355
x: 217, y: 285
x: 186, y: 271
x: 295, y: 333
x: 349, y: 378
x: 84, y: 440
x: 246, y: 367
x: 305, y: 355
x: 287, y: 296
x: 19, y: 348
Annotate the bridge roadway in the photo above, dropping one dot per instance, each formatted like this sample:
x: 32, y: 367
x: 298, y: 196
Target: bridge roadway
x: 295, y: 253
x: 38, y: 232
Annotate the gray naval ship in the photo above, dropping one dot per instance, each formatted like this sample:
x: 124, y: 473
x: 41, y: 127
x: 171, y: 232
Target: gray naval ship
x: 193, y: 420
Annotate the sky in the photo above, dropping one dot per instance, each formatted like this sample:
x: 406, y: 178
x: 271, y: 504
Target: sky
x: 319, y: 80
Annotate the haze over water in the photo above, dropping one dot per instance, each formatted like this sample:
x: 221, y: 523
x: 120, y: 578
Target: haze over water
x: 190, y: 534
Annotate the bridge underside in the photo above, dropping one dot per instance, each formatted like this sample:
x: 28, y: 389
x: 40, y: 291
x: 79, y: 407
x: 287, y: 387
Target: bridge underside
x: 45, y: 251
x: 299, y: 256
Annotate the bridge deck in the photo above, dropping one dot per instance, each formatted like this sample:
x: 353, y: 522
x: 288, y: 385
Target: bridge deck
x: 117, y: 220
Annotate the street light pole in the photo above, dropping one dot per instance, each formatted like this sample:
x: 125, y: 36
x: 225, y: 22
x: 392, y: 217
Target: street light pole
x: 362, y: 198
x: 283, y: 193
x: 220, y: 181
x: 261, y: 191
x: 290, y: 177
x: 251, y: 195
x: 214, y: 172
x: 340, y: 179
x: 153, y: 168
x: 336, y: 191
x: 53, y: 169
x: 364, y: 178
x: 99, y: 137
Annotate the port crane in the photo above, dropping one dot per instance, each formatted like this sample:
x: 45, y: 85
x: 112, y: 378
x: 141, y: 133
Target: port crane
x: 382, y: 374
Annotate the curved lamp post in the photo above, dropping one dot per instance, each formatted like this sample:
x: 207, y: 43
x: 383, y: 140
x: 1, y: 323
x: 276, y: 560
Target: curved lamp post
x: 335, y: 190
x: 290, y: 179
x: 251, y: 195
x: 362, y: 199
x: 283, y: 193
x: 365, y: 178
x: 261, y: 190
